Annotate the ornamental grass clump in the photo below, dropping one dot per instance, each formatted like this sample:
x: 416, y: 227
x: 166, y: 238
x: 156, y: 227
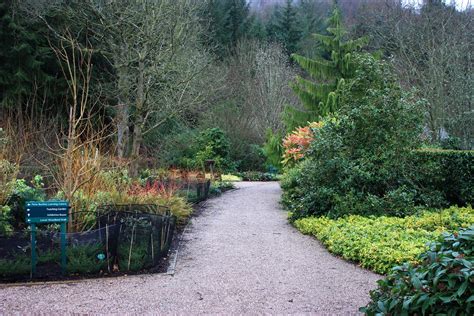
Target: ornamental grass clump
x: 442, y: 283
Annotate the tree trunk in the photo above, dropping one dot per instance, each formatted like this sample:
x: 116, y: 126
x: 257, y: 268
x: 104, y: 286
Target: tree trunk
x: 139, y: 119
x: 68, y: 160
x: 122, y: 129
x: 123, y: 107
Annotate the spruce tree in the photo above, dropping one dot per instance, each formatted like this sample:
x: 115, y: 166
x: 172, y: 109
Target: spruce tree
x: 227, y: 22
x: 284, y: 27
x: 238, y: 20
x: 326, y: 72
x: 23, y: 55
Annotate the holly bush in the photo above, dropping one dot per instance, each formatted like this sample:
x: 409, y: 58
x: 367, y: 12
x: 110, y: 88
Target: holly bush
x: 360, y: 163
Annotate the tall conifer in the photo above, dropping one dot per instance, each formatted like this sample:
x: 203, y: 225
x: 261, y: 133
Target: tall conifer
x: 326, y: 72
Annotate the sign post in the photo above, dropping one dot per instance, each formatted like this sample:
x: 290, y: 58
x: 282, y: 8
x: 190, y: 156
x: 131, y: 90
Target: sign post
x: 33, y: 249
x: 47, y: 213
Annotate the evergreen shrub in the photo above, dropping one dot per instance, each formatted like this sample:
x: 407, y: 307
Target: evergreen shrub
x: 441, y: 284
x: 360, y: 161
x: 449, y: 173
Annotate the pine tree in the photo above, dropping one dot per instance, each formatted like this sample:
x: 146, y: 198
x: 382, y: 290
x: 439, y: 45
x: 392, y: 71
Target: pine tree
x: 238, y: 18
x: 327, y: 72
x: 284, y: 27
x: 228, y: 21
x: 23, y: 55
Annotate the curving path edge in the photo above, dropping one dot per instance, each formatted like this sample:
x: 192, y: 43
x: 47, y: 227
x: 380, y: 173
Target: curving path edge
x: 240, y: 256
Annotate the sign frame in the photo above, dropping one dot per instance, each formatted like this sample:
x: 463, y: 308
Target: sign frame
x: 47, y: 212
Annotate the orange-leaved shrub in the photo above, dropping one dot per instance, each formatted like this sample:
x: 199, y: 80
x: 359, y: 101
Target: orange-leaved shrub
x: 296, y: 143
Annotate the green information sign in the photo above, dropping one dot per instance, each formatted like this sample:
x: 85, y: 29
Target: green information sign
x: 46, y: 213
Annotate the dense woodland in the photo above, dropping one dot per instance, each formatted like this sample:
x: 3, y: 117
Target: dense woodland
x: 139, y: 81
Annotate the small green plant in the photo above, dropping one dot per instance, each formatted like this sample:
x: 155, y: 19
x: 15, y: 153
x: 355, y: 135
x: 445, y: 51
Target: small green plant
x: 441, y: 284
x: 218, y: 187
x: 133, y: 257
x: 19, y: 265
x: 380, y: 243
x: 86, y: 259
x: 257, y: 176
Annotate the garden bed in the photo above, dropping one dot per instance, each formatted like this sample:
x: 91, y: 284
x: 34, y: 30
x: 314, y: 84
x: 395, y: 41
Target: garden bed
x: 122, y: 240
x: 380, y: 243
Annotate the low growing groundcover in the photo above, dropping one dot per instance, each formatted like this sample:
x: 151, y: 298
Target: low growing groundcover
x: 380, y: 243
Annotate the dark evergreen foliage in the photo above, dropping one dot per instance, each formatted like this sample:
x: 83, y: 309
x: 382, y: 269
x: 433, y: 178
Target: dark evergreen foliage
x: 284, y: 27
x: 326, y: 73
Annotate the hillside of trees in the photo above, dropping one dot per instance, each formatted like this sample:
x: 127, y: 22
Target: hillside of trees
x: 138, y: 81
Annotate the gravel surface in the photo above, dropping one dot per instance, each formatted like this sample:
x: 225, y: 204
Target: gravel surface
x: 240, y: 256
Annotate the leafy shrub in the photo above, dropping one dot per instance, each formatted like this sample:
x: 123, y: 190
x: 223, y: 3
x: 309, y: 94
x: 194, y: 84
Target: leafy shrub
x: 449, y: 173
x: 8, y: 172
x: 293, y: 192
x: 441, y: 284
x: 83, y: 259
x: 257, y: 176
x: 5, y: 218
x: 380, y: 243
x: 252, y: 157
x: 297, y: 143
x: 177, y: 149
x: 453, y: 143
x: 213, y: 145
x: 218, y: 187
x: 360, y: 163
x: 21, y: 193
x: 115, y: 179
x: 20, y: 265
x: 273, y: 150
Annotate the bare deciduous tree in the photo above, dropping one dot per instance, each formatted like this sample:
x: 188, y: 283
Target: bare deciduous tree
x: 153, y: 48
x: 431, y: 49
x: 77, y: 156
x: 256, y: 92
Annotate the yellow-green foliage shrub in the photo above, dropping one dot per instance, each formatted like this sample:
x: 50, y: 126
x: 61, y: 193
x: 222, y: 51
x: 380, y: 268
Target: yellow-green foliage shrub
x: 380, y: 243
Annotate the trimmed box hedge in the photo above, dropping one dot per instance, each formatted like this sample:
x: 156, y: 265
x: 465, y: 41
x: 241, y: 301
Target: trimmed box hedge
x: 446, y: 175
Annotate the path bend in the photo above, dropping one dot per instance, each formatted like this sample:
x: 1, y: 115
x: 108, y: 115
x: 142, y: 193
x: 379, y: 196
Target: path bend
x: 240, y: 256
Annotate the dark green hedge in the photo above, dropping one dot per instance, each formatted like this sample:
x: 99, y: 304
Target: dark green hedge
x: 448, y: 173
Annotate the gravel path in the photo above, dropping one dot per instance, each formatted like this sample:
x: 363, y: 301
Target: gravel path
x: 240, y: 257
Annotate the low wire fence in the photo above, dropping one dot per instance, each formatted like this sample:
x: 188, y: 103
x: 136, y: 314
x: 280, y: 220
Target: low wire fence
x: 121, y: 239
